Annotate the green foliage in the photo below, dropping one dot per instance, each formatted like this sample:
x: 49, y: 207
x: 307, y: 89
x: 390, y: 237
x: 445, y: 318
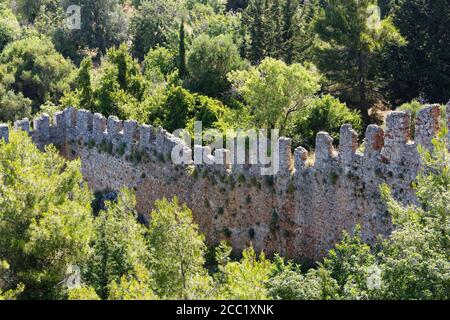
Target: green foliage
x: 420, y: 68
x: 281, y: 29
x: 119, y: 247
x: 415, y: 258
x: 9, y: 26
x: 6, y: 281
x: 120, y: 87
x: 84, y: 85
x: 13, y: 106
x: 414, y: 107
x: 326, y: 114
x: 180, y: 109
x: 288, y: 283
x: 242, y: 280
x: 178, y: 252
x: 349, y: 264
x: 208, y: 63
x: 132, y: 287
x: 159, y: 64
x: 34, y: 68
x: 83, y: 294
x: 274, y: 90
x: 103, y: 25
x: 352, y: 36
x: 155, y: 23
x: 45, y: 222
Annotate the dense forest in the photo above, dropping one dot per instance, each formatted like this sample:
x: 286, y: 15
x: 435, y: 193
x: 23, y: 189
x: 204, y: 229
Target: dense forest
x: 301, y: 66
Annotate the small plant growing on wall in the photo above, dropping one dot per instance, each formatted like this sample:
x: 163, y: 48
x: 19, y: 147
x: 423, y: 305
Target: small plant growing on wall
x: 291, y: 188
x: 227, y: 232
x: 274, y: 223
x: 121, y: 149
x: 91, y: 143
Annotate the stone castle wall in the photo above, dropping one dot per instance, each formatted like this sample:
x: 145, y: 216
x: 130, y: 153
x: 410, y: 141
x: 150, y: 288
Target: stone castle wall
x: 300, y: 212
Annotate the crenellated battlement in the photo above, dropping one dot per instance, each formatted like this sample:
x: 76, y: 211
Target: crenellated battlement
x: 389, y: 146
x: 299, y: 212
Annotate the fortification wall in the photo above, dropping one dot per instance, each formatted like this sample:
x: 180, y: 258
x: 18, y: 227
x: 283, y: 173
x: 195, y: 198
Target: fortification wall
x: 300, y: 212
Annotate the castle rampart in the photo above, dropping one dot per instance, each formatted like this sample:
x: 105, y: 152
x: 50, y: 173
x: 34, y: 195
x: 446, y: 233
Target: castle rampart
x: 300, y: 212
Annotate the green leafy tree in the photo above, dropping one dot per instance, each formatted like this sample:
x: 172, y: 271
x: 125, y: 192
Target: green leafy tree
x: 177, y: 252
x: 352, y: 35
x: 289, y: 283
x: 10, y: 28
x: 83, y: 294
x: 160, y: 64
x: 414, y: 259
x: 119, y: 247
x: 242, y: 280
x: 420, y: 68
x: 103, y: 26
x: 34, y: 68
x: 133, y: 287
x: 84, y: 85
x: 13, y: 106
x: 154, y: 23
x: 45, y: 217
x: 208, y: 63
x: 179, y: 109
x: 275, y: 91
x: 5, y: 282
x: 280, y: 29
x: 121, y: 85
x: 326, y: 114
x: 182, y: 51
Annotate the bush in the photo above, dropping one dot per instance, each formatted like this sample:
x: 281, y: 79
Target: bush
x: 324, y: 114
x: 34, y: 68
x: 9, y: 26
x: 209, y: 61
x: 180, y: 109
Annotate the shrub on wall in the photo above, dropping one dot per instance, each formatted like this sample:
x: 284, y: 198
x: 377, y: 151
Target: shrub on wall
x: 324, y: 114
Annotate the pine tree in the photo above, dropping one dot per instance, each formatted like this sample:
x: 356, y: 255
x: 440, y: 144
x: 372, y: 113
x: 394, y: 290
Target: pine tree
x: 351, y: 40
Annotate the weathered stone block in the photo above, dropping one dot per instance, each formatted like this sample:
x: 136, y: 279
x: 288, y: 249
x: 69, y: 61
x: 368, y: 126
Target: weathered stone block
x: 300, y: 158
x: 70, y: 115
x: 145, y: 133
x: 324, y: 149
x: 374, y: 141
x: 114, y: 127
x: 4, y: 133
x: 98, y: 127
x: 398, y: 134
x: 23, y: 125
x: 41, y: 128
x: 84, y: 124
x: 129, y: 131
x: 348, y: 144
x: 428, y: 124
x: 285, y: 155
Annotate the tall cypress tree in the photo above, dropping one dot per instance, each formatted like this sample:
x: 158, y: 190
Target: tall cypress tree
x: 182, y: 52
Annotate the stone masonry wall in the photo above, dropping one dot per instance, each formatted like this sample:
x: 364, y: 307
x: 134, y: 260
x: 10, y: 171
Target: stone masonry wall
x: 300, y: 213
